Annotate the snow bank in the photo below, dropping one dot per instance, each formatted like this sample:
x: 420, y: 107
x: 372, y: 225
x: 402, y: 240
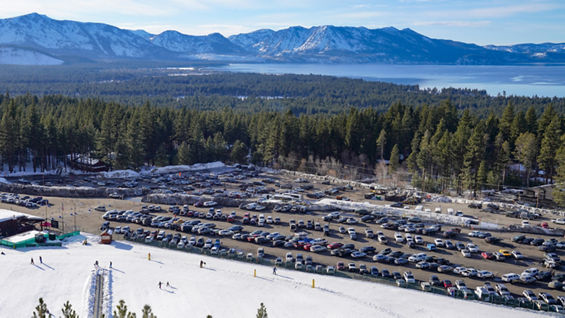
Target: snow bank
x: 3, y: 180
x: 121, y: 174
x: 222, y: 289
x: 186, y: 168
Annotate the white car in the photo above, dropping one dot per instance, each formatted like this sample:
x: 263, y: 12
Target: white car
x: 517, y: 254
x: 472, y: 248
x: 317, y: 248
x: 484, y: 274
x: 398, y: 237
x: 409, y: 278
x: 559, y: 221
x: 465, y: 252
x: 418, y: 239
x: 531, y: 271
x: 289, y: 258
x: 510, y: 277
x: 528, y: 279
x: 417, y: 258
x: 439, y: 242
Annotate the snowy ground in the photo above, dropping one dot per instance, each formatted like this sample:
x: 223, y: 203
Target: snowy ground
x: 223, y: 288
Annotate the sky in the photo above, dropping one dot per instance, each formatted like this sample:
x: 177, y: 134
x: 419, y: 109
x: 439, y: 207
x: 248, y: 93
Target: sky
x: 475, y: 21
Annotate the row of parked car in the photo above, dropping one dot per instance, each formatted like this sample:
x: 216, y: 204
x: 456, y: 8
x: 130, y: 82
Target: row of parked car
x: 25, y: 201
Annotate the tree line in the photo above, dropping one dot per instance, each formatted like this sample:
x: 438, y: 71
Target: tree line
x: 210, y: 90
x: 441, y: 146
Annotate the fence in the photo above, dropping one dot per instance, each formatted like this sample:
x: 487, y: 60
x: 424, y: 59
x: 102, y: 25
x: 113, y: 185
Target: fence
x: 32, y: 243
x: 239, y: 256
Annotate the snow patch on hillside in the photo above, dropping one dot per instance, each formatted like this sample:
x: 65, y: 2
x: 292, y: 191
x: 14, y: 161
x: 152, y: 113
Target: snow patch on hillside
x: 17, y: 56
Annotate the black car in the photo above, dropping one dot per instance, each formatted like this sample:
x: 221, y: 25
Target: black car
x: 367, y: 249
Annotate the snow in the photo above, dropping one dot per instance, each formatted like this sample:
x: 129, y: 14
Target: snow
x: 9, y: 214
x: 184, y: 168
x: 121, y: 174
x: 17, y: 56
x: 222, y: 289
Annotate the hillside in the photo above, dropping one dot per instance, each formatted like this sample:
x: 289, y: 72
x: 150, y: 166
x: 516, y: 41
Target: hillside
x: 222, y: 289
x: 45, y: 39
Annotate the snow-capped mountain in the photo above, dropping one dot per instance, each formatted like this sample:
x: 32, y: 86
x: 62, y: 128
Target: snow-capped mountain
x: 359, y: 44
x: 214, y: 43
x: 38, y: 39
x: 70, y: 38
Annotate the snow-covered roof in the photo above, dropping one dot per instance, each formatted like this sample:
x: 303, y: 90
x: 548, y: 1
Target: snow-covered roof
x: 9, y: 214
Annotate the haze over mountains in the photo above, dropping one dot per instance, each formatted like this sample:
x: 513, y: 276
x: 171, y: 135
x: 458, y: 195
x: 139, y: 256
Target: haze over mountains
x: 39, y: 40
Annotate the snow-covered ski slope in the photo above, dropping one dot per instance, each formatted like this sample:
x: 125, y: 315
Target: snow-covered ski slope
x: 222, y: 288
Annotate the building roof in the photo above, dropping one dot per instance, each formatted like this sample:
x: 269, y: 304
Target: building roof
x: 6, y: 215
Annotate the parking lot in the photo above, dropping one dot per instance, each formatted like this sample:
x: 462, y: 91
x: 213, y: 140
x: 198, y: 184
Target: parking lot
x: 309, y: 239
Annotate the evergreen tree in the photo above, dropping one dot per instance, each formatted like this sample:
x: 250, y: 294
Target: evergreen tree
x: 531, y: 120
x: 68, y: 311
x: 559, y: 188
x: 549, y: 147
x: 122, y: 310
x: 473, y: 158
x: 239, y: 152
x: 381, y: 143
x: 184, y: 155
x: 40, y: 310
x: 526, y: 152
x: 262, y: 312
x: 394, y: 161
x: 147, y: 312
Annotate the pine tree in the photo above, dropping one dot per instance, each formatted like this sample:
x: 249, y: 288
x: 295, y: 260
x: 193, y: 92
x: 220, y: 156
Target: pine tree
x: 122, y: 311
x: 68, y: 311
x: 262, y: 311
x: 394, y: 161
x: 381, y: 143
x: 40, y: 310
x: 549, y: 147
x: 473, y: 158
x: 526, y: 152
x: 183, y: 154
x: 147, y: 312
x: 238, y: 152
x: 531, y: 120
x: 559, y: 188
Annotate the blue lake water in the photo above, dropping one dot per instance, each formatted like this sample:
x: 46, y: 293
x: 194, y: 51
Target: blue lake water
x: 524, y: 80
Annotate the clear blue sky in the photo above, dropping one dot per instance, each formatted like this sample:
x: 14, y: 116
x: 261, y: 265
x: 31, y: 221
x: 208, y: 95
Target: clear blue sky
x: 476, y: 21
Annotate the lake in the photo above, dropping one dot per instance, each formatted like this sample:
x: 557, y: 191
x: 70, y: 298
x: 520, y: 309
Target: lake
x: 525, y: 80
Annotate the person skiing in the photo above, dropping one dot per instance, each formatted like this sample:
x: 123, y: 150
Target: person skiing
x: 40, y: 260
x: 168, y: 285
x: 275, y: 270
x: 110, y: 264
x: 160, y: 284
x: 202, y: 263
x: 32, y: 260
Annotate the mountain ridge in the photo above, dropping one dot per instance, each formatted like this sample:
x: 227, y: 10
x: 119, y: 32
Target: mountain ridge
x: 66, y: 40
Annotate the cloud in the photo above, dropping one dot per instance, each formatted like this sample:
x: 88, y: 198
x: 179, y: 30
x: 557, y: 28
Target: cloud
x: 453, y: 23
x: 506, y: 11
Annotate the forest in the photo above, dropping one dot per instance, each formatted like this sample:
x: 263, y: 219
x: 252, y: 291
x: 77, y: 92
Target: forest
x: 439, y: 146
x: 205, y: 89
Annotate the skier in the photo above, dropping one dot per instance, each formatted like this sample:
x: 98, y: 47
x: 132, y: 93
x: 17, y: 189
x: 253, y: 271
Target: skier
x: 96, y: 264
x: 40, y: 260
x: 202, y: 263
x: 168, y: 285
x: 32, y: 260
x: 160, y: 284
x: 110, y: 264
x: 275, y: 270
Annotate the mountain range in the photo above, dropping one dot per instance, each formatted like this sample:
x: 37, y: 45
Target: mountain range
x: 38, y: 39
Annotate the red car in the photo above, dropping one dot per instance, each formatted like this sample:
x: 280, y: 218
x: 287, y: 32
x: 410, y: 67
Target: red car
x: 299, y: 245
x: 307, y: 246
x: 334, y: 245
x: 340, y: 266
x: 230, y: 219
x: 487, y: 255
x: 447, y: 284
